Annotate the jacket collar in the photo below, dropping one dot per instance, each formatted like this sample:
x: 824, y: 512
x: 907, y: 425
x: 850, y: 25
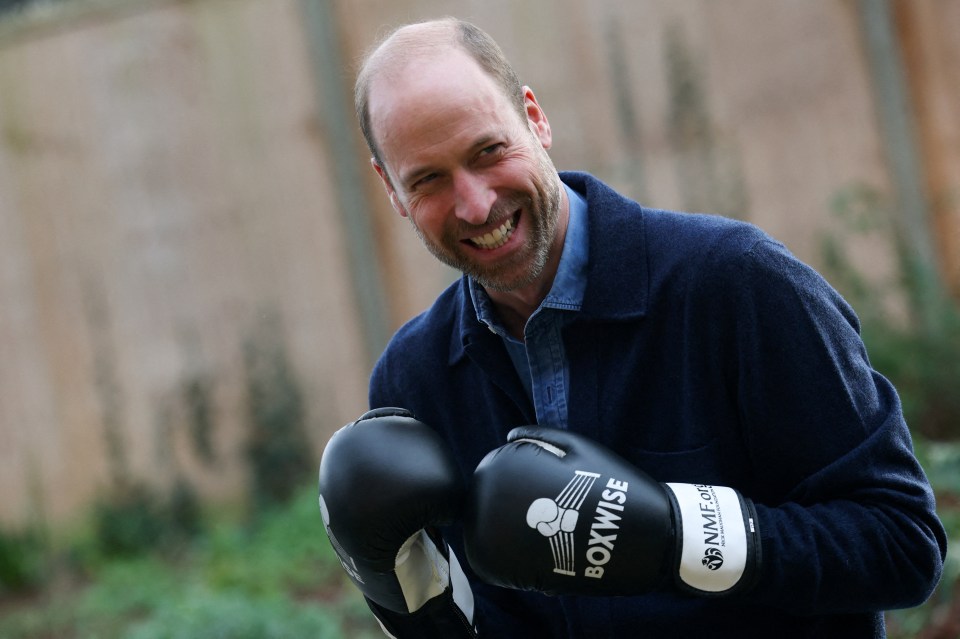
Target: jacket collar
x: 617, y: 275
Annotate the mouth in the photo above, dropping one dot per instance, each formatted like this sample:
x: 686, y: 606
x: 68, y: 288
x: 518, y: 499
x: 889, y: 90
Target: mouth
x: 497, y: 237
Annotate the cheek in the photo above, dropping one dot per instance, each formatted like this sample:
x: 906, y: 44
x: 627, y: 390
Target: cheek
x: 427, y: 217
x: 523, y: 168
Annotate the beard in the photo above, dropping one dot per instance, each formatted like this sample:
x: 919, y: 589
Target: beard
x: 541, y: 210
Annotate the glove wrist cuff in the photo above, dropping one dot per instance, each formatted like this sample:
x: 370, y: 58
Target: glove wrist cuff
x: 718, y: 539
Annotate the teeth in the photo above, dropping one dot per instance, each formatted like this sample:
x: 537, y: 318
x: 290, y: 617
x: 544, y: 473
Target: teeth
x: 496, y: 238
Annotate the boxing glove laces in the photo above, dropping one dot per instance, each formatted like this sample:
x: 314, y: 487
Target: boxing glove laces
x: 556, y: 512
x: 386, y: 482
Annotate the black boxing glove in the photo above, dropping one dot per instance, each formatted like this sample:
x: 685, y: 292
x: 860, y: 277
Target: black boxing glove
x: 386, y: 481
x: 555, y: 512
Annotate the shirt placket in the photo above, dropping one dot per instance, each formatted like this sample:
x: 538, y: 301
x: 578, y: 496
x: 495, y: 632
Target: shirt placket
x: 546, y: 358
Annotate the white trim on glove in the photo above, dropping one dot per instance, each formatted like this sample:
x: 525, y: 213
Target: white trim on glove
x: 423, y: 573
x: 715, y: 536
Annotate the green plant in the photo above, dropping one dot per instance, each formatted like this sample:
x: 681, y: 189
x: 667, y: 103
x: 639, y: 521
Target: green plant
x: 273, y: 576
x: 284, y: 550
x: 133, y: 519
x: 279, y: 449
x: 128, y: 520
x: 129, y: 587
x: 197, y: 391
x: 21, y: 560
x: 204, y: 614
x: 183, y: 513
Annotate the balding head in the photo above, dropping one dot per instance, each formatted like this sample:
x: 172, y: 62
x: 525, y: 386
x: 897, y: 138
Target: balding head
x: 430, y: 40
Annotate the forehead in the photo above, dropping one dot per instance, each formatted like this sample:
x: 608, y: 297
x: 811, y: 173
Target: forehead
x: 430, y: 100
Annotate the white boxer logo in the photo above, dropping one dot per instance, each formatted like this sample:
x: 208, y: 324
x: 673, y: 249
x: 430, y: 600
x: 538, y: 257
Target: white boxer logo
x: 556, y: 519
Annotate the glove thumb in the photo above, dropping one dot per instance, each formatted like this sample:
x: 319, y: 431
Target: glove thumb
x: 554, y: 440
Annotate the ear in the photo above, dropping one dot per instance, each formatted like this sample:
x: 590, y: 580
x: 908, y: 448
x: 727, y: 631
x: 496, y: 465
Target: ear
x: 388, y: 186
x: 537, y: 119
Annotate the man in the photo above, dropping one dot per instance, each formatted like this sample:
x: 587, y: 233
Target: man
x: 712, y: 454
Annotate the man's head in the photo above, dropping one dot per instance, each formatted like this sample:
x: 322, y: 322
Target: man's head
x: 405, y: 43
x: 461, y: 149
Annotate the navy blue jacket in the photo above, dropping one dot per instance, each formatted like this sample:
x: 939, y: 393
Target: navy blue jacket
x: 705, y: 353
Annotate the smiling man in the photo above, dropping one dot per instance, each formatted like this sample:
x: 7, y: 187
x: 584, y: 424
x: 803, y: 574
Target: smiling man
x: 468, y: 166
x: 628, y: 421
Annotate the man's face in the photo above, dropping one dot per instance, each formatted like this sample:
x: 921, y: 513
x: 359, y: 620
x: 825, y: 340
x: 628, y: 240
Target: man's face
x: 473, y: 176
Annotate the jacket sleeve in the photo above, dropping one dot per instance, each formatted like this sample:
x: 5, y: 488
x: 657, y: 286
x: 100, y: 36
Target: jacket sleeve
x: 847, y: 517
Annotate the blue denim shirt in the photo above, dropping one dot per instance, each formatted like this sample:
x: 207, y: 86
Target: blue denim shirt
x: 539, y: 359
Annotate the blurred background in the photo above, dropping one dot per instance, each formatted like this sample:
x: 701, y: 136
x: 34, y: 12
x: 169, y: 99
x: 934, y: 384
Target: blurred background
x: 198, y: 266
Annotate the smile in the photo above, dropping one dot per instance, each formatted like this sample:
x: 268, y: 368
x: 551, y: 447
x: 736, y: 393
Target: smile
x: 497, y: 237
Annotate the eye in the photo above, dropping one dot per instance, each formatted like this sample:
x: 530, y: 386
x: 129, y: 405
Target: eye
x: 423, y: 181
x: 490, y: 154
x: 490, y: 150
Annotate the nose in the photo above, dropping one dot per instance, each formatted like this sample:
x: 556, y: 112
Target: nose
x: 473, y: 197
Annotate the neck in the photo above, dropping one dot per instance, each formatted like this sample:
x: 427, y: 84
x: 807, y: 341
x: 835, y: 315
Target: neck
x: 515, y: 307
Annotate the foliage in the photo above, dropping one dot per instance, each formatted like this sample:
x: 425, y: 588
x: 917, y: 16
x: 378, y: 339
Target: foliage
x: 286, y: 551
x: 197, y: 391
x: 152, y: 564
x: 128, y: 521
x: 209, y: 614
x: 133, y: 518
x: 279, y: 449
x: 275, y: 577
x: 21, y: 560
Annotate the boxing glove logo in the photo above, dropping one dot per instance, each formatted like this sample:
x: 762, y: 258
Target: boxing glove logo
x: 712, y: 558
x: 556, y: 519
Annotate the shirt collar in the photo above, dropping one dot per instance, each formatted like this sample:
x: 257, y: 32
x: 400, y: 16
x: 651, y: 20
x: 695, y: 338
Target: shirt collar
x: 571, y: 279
x: 570, y: 282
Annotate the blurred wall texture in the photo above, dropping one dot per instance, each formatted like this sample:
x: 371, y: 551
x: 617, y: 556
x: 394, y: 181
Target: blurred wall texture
x: 182, y: 187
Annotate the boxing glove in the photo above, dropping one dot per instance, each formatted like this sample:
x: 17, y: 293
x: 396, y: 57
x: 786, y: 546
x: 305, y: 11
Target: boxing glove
x: 386, y: 481
x: 555, y: 512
